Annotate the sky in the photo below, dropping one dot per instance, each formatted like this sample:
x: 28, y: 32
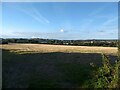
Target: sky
x: 60, y: 20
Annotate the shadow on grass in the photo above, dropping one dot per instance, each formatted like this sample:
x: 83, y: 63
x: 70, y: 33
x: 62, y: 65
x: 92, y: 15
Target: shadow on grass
x: 48, y: 70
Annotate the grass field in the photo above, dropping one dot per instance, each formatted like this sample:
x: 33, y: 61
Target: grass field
x: 39, y: 65
x: 44, y: 48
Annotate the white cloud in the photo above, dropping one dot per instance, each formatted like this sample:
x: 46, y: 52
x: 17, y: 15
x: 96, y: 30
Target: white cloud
x: 30, y: 11
x: 35, y: 37
x: 109, y: 25
x: 109, y: 21
x: 36, y: 15
x: 99, y: 10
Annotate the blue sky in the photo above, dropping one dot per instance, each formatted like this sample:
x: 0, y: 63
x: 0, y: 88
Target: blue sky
x: 88, y: 20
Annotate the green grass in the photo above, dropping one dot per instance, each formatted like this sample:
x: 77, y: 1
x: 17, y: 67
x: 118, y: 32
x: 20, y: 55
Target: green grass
x: 76, y: 73
x: 43, y: 83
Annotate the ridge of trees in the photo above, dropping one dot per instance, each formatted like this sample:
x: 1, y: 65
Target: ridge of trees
x: 106, y: 43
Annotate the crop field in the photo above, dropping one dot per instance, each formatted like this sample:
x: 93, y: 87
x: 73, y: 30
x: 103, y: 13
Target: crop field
x: 43, y: 48
x: 50, y: 66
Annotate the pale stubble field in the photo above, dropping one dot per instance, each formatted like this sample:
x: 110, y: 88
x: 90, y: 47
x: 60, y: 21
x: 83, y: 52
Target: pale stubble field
x: 44, y: 48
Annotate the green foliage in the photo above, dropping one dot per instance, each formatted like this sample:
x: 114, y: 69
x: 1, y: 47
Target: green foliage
x: 106, y: 76
x: 104, y: 43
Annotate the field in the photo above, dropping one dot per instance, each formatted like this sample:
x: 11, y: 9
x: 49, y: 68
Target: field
x: 39, y: 65
x: 42, y: 48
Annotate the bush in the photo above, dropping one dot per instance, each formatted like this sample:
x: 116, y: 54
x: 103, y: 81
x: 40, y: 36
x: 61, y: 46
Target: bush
x: 106, y: 76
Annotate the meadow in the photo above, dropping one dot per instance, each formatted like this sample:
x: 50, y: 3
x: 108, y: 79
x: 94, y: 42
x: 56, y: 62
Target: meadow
x: 50, y: 66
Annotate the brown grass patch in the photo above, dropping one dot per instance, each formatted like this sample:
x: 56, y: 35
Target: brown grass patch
x: 58, y: 48
x: 43, y: 48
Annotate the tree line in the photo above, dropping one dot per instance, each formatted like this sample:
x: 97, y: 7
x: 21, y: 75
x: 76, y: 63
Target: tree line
x: 106, y: 43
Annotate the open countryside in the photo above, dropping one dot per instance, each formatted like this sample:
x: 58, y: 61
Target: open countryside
x: 51, y: 66
x: 60, y: 45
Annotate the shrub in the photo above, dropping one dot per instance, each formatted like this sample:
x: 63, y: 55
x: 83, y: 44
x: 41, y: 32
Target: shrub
x: 106, y: 76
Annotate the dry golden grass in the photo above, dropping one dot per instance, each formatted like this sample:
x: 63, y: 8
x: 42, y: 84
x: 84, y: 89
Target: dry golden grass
x: 58, y: 48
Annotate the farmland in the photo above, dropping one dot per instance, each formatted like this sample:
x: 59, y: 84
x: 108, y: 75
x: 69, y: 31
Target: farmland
x: 42, y: 65
x: 44, y: 48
